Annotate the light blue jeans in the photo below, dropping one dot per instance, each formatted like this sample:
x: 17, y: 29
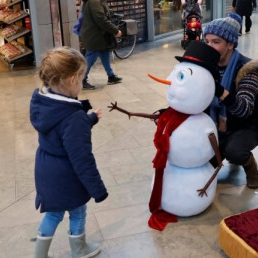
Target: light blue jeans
x: 91, y: 57
x: 51, y: 220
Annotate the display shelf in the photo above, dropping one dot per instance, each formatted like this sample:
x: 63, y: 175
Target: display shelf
x: 19, y: 34
x: 133, y: 9
x: 27, y: 52
x: 23, y: 35
x: 22, y: 16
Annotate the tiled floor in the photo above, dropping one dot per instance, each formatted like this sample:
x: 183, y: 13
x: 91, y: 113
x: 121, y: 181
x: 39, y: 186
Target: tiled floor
x: 124, y: 150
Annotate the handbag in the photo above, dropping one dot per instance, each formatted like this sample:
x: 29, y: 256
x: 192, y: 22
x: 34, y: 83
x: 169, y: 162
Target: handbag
x: 78, y: 25
x: 111, y: 41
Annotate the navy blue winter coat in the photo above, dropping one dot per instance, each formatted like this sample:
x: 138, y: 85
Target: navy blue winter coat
x: 66, y: 175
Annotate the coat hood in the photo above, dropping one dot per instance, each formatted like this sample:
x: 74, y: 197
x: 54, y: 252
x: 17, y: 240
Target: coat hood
x: 48, y: 109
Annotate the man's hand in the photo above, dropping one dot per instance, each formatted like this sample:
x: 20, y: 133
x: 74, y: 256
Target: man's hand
x: 119, y: 34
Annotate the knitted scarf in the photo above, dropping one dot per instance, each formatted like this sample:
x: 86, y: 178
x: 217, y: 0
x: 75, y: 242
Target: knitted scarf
x: 217, y: 108
x: 167, y: 123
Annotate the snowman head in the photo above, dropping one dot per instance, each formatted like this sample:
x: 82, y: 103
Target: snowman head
x: 192, y: 81
x: 192, y: 88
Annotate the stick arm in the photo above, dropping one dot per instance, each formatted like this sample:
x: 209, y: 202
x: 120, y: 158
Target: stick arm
x: 115, y: 107
x: 215, y: 147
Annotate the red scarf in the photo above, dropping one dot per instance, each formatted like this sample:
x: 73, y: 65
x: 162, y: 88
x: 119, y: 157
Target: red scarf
x: 167, y: 123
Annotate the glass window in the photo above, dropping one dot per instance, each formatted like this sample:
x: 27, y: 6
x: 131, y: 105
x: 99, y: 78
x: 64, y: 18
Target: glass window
x: 168, y: 15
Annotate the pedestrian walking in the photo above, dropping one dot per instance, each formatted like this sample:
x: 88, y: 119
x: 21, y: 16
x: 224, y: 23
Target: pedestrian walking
x: 97, y: 32
x: 244, y: 8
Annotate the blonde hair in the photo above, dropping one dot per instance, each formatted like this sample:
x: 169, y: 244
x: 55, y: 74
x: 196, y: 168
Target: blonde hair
x: 60, y: 64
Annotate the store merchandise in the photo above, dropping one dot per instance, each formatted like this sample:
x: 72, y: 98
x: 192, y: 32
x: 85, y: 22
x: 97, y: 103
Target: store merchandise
x: 7, y: 14
x: 3, y: 2
x: 16, y: 34
x: 9, y: 31
x: 9, y: 51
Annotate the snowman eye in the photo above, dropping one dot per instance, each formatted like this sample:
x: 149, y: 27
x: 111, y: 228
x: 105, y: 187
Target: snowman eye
x: 180, y: 76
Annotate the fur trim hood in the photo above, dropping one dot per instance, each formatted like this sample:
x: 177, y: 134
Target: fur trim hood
x: 249, y: 67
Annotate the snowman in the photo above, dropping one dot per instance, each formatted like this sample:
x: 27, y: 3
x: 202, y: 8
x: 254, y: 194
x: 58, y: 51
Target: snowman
x: 186, y: 139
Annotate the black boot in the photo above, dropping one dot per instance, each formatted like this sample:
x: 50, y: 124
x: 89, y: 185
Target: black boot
x: 87, y: 86
x: 250, y: 168
x: 114, y: 79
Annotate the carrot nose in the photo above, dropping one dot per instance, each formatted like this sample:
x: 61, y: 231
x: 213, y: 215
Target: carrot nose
x: 160, y: 80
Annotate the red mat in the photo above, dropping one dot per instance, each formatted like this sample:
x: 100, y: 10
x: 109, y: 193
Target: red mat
x: 239, y: 235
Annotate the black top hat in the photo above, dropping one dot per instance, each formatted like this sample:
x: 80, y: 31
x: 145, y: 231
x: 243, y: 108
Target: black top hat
x: 202, y: 54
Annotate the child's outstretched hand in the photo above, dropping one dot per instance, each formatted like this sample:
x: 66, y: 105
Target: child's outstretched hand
x: 98, y: 112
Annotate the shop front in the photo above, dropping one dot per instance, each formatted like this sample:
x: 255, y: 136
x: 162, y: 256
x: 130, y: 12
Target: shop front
x: 168, y: 15
x: 37, y: 26
x: 28, y: 28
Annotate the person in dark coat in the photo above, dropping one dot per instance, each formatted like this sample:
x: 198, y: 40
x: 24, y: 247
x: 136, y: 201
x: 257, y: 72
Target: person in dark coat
x: 66, y: 174
x: 245, y: 8
x: 234, y: 107
x: 95, y: 31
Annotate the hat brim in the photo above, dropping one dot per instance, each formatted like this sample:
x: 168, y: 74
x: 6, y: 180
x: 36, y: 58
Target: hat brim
x: 213, y: 71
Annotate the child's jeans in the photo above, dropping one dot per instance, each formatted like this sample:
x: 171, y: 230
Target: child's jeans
x: 51, y: 220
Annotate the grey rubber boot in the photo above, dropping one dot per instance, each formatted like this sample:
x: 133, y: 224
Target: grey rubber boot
x: 42, y: 246
x: 81, y: 249
x: 251, y: 171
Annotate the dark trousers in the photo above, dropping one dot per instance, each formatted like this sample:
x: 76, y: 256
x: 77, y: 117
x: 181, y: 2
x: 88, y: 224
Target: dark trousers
x: 248, y: 24
x: 236, y: 146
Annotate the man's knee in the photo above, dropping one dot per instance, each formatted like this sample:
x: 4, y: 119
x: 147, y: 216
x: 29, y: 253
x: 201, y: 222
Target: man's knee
x: 237, y: 157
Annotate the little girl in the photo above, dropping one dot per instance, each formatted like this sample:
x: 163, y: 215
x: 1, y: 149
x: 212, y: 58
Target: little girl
x: 66, y: 175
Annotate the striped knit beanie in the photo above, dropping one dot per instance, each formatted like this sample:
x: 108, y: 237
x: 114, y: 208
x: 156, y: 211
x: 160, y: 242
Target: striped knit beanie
x: 226, y: 28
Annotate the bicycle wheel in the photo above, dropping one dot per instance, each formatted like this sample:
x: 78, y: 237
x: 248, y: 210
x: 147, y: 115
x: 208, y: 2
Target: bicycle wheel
x: 125, y: 46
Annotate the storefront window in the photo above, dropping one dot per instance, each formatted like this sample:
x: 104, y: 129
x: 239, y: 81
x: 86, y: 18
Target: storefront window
x: 167, y: 15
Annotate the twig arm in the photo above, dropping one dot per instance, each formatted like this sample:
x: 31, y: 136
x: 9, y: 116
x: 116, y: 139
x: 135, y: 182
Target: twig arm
x: 114, y: 106
x: 215, y: 147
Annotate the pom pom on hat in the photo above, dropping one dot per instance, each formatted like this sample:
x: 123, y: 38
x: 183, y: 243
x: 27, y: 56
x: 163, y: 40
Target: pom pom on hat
x: 226, y: 28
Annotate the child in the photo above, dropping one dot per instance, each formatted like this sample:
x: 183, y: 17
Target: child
x: 195, y: 26
x: 66, y: 175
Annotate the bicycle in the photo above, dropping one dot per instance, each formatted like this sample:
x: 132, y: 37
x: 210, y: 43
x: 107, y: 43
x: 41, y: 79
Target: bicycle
x: 126, y: 43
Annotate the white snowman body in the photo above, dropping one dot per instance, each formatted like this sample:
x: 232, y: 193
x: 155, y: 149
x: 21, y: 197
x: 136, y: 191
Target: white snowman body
x: 188, y: 168
x: 179, y: 192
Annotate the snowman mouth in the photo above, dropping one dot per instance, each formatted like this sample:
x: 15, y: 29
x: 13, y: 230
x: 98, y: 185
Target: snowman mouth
x: 171, y: 97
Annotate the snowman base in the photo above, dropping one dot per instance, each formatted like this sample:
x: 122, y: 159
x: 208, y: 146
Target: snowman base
x: 179, y: 191
x: 180, y: 196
